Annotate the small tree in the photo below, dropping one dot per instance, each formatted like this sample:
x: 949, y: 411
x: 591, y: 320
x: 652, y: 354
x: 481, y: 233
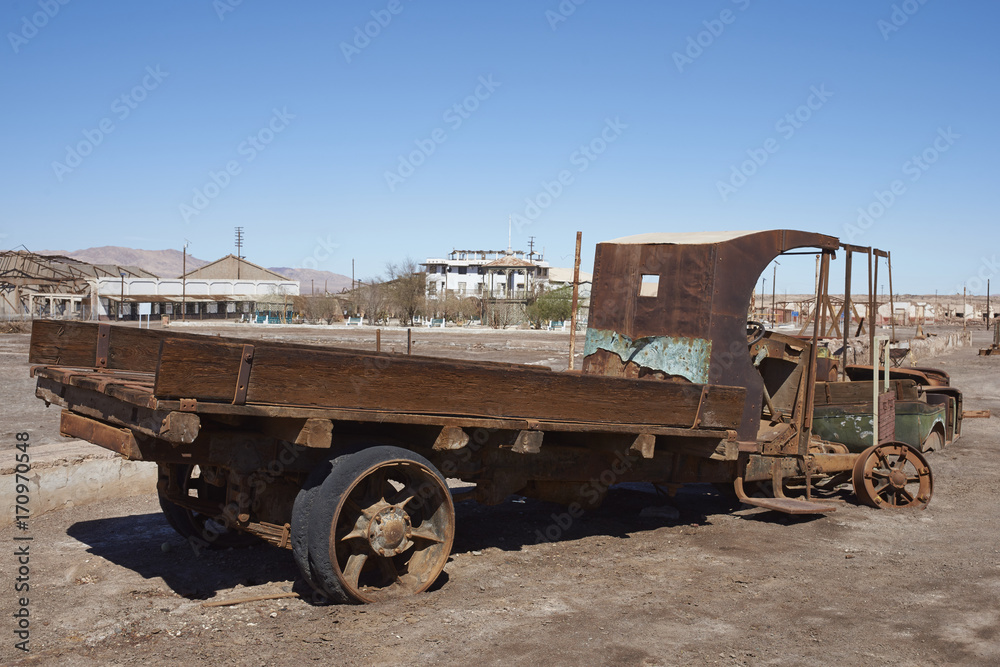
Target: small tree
x: 503, y: 314
x: 321, y: 308
x: 405, y: 289
x: 554, y: 304
x: 372, y: 301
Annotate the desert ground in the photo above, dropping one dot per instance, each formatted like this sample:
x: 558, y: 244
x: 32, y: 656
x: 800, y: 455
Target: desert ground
x: 644, y: 580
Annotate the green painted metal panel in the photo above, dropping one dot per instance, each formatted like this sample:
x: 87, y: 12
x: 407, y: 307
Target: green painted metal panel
x: 674, y: 355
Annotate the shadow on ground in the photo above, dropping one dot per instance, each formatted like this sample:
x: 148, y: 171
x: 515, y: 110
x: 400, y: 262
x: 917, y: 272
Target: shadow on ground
x: 146, y: 544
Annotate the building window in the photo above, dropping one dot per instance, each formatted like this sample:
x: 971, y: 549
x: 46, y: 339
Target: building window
x: 461, y: 288
x: 462, y: 270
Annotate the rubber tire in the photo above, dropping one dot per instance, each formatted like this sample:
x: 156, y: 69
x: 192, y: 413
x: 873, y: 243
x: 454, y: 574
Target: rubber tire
x: 344, y: 471
x: 183, y: 521
x: 301, y: 511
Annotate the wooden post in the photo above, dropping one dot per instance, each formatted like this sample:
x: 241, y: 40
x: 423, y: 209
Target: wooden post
x: 874, y: 321
x: 892, y: 303
x: 378, y: 340
x: 184, y: 283
x: 847, y: 315
x: 810, y: 398
x: 409, y: 341
x: 576, y: 296
x: 871, y: 309
x: 823, y: 296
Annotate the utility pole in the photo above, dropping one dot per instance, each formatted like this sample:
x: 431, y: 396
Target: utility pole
x: 239, y: 250
x: 774, y: 282
x: 763, y: 298
x: 531, y: 247
x: 576, y: 294
x: 184, y: 281
x: 121, y: 304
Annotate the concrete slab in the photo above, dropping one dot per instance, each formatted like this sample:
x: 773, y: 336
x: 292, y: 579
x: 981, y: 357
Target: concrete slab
x: 70, y: 473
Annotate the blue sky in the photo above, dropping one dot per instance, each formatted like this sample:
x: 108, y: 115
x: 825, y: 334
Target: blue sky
x: 144, y: 124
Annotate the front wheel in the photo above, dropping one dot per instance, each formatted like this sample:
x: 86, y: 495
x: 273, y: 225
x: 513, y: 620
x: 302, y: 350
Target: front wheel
x: 380, y: 526
x: 893, y: 475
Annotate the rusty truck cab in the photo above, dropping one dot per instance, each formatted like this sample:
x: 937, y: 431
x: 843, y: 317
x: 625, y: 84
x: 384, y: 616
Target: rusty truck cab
x: 673, y: 307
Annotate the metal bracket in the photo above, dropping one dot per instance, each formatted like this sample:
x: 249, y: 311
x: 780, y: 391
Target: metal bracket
x: 528, y: 442
x: 286, y: 533
x: 701, y: 401
x: 189, y: 405
x: 243, y: 378
x: 103, y: 343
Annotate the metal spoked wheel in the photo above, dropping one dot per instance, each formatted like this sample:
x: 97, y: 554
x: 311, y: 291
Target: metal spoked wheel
x: 204, y: 527
x: 381, y: 526
x: 893, y: 475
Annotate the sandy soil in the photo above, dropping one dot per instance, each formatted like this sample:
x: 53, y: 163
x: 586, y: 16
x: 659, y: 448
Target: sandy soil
x: 112, y: 583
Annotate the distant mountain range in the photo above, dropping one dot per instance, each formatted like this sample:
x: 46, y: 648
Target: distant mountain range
x: 169, y: 263
x: 163, y: 263
x: 315, y: 280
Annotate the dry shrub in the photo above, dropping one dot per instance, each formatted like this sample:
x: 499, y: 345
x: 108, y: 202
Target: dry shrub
x: 15, y: 327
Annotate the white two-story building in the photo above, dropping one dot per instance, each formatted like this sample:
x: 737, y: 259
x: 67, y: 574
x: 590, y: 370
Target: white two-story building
x: 501, y: 274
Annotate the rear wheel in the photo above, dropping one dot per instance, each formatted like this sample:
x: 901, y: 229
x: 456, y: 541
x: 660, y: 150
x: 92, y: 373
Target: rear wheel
x: 380, y: 526
x: 206, y: 526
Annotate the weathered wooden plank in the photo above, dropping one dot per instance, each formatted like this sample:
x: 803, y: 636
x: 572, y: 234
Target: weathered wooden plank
x: 75, y: 344
x: 130, y: 349
x: 175, y: 427
x: 118, y: 440
x: 207, y: 370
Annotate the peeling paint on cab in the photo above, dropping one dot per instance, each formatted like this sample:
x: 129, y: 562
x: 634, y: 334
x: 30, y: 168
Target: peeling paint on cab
x: 674, y: 355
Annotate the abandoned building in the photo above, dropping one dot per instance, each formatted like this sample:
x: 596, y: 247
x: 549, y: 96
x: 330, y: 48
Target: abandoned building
x: 503, y: 274
x: 33, y: 285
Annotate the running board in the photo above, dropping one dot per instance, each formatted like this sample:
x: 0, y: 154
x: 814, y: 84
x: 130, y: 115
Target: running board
x: 790, y: 505
x: 786, y: 505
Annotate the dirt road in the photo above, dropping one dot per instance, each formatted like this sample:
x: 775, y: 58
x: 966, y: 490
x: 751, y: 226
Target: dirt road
x: 113, y: 584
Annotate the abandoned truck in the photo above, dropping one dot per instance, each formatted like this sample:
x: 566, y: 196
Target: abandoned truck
x: 342, y: 455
